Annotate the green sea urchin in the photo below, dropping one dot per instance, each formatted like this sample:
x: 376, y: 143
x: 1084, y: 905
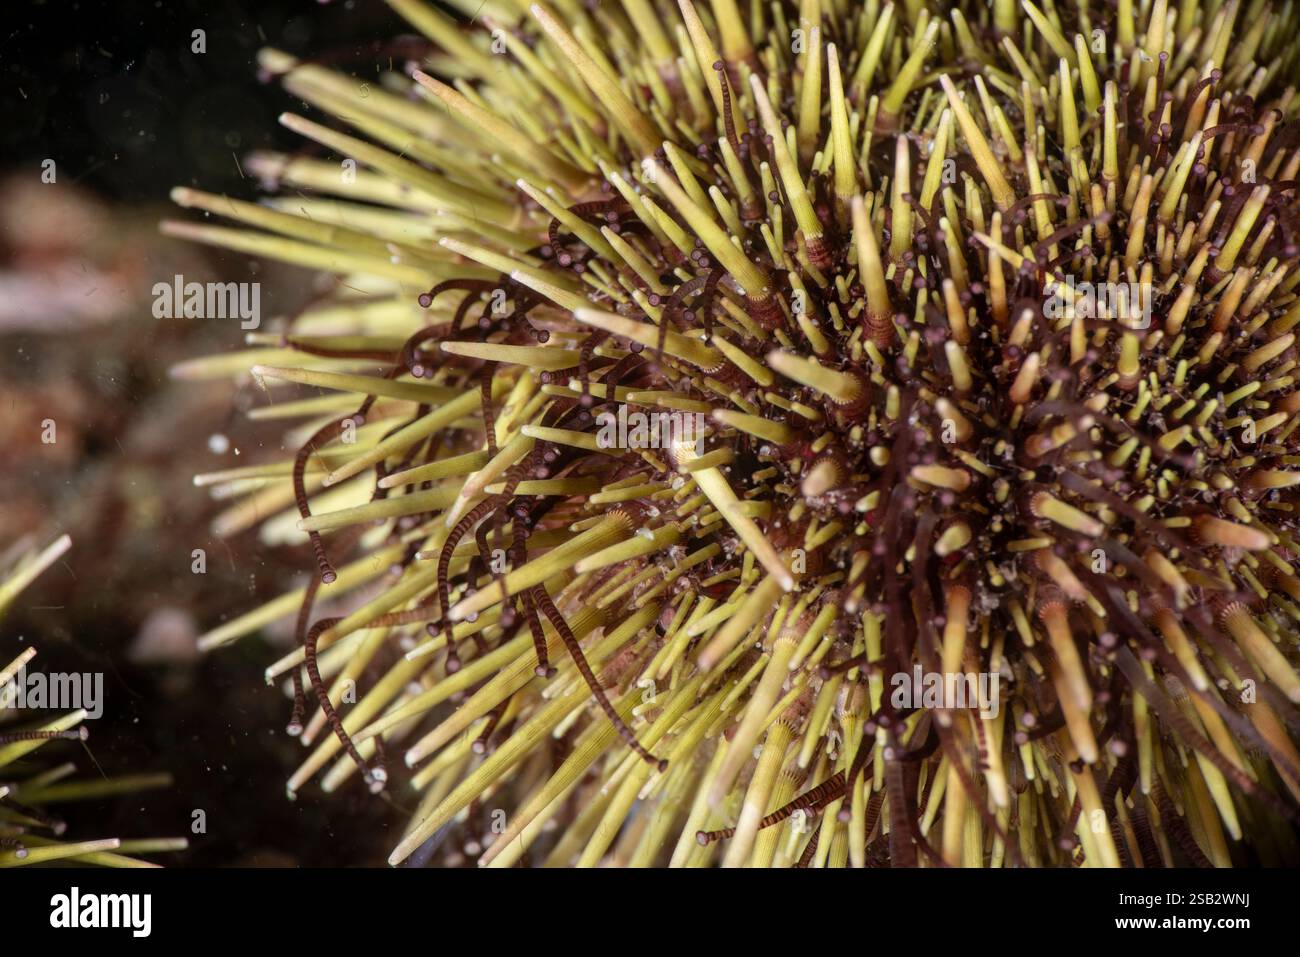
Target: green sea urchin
x: 30, y: 833
x: 986, y: 312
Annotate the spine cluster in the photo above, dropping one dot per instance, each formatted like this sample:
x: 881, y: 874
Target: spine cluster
x: 32, y: 831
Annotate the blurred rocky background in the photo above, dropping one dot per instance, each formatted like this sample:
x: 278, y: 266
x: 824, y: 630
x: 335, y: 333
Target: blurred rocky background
x: 106, y: 107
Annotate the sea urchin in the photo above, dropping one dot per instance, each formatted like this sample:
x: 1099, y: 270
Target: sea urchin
x: 708, y: 388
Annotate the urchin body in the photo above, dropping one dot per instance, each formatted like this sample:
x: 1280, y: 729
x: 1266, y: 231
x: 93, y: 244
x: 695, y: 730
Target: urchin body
x: 989, y: 312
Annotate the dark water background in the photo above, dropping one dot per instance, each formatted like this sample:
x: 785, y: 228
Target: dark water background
x: 114, y: 94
